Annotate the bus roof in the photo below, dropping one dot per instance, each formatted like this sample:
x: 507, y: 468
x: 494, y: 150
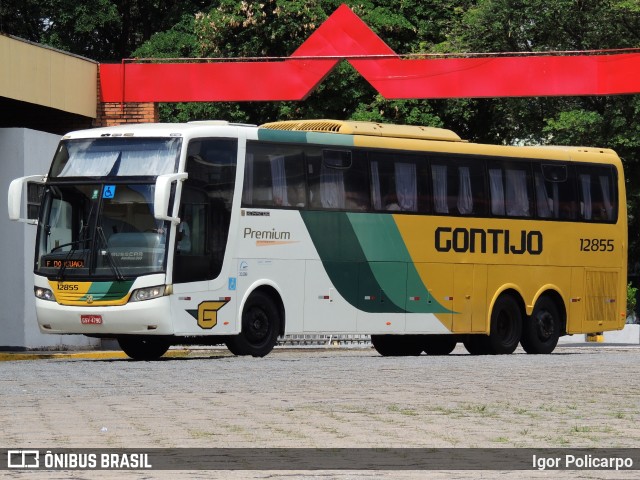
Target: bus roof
x: 373, y: 130
x: 155, y: 129
x: 365, y: 128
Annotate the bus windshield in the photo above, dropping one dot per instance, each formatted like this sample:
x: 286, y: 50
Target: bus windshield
x: 116, y: 157
x: 100, y: 230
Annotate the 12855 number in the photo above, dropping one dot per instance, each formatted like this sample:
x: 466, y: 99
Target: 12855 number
x: 596, y: 245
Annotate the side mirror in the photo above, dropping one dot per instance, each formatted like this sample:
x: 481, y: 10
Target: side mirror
x: 162, y: 194
x: 14, y: 199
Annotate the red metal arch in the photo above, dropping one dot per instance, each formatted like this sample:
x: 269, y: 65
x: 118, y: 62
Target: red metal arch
x: 345, y: 36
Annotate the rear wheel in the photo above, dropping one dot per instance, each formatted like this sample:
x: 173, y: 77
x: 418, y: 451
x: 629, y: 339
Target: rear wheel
x: 260, y: 327
x: 506, y: 325
x: 542, y: 329
x: 438, y: 344
x: 143, y: 348
x: 397, y: 345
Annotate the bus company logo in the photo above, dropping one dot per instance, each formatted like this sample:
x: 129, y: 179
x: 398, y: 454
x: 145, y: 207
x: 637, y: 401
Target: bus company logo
x: 23, y: 459
x: 254, y: 213
x: 208, y: 313
x: 492, y: 240
x: 271, y: 237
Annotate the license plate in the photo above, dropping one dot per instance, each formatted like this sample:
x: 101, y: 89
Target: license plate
x: 91, y: 319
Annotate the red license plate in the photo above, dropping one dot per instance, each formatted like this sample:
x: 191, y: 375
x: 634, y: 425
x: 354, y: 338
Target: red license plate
x: 91, y: 319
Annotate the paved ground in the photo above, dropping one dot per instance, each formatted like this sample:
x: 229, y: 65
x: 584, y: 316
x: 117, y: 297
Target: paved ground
x: 580, y: 396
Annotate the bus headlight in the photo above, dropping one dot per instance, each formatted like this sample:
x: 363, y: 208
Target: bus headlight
x: 147, y: 293
x: 44, y: 294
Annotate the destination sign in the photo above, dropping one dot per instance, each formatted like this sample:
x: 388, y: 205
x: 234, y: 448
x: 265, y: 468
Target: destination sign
x: 79, y: 263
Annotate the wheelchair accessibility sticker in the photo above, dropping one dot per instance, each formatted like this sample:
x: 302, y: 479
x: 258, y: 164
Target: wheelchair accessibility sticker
x: 109, y: 191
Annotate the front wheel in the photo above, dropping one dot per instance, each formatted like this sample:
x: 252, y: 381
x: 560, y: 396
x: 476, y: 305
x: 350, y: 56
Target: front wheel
x: 542, y: 329
x: 143, y: 348
x: 260, y: 327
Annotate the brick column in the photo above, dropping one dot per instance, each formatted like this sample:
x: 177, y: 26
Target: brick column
x: 110, y: 114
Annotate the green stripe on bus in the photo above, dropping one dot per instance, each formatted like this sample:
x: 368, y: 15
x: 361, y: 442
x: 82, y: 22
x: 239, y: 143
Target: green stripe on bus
x: 368, y: 262
x: 109, y: 290
x: 282, y: 136
x: 345, y: 262
x: 382, y: 243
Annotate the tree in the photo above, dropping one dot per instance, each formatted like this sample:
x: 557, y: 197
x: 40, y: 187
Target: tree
x: 103, y: 30
x: 541, y: 26
x: 276, y: 28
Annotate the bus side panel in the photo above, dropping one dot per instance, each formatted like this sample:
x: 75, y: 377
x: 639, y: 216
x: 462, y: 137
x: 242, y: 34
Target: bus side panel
x: 469, y: 298
x: 286, y: 277
x: 576, y: 305
x: 529, y: 283
x: 197, y: 309
x: 325, y: 310
x: 601, y: 301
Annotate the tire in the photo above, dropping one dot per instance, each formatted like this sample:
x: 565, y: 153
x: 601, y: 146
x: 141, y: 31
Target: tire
x: 143, y: 348
x: 477, y: 345
x: 397, y: 345
x: 541, y: 330
x: 260, y: 327
x: 438, y: 344
x: 506, y: 326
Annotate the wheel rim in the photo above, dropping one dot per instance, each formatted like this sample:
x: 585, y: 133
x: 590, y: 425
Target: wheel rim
x: 506, y: 329
x: 545, y: 325
x: 257, y: 326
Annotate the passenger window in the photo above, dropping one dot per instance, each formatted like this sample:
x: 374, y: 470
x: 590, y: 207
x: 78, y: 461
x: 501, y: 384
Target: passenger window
x: 274, y: 176
x: 338, y: 180
x: 395, y: 182
x: 458, y: 187
x: 598, y: 199
x: 555, y: 191
x: 510, y: 190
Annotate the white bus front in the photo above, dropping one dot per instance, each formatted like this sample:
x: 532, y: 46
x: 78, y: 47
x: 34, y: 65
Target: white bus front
x: 99, y: 244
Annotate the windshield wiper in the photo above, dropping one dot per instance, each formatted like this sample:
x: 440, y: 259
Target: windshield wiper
x: 112, y: 263
x: 65, y: 261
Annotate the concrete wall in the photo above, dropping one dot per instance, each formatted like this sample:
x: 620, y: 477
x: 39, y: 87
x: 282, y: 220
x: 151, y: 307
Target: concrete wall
x: 23, y: 152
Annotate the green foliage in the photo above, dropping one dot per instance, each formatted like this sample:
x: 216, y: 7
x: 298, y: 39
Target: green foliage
x: 103, y: 30
x: 631, y: 298
x: 109, y: 30
x: 574, y: 126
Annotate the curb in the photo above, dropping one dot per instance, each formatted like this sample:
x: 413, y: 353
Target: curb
x: 98, y: 355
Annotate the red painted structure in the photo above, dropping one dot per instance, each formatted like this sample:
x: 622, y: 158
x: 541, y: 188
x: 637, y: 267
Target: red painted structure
x: 344, y: 36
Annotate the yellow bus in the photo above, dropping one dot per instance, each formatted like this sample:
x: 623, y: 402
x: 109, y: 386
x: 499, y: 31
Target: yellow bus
x: 210, y: 232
